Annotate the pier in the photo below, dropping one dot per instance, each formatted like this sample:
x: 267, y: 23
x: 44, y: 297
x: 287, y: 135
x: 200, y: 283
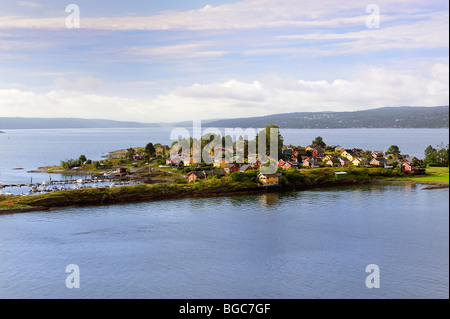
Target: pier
x: 119, y: 180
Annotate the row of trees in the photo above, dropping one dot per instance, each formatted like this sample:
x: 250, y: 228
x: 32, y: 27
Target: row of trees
x: 72, y: 163
x: 437, y: 156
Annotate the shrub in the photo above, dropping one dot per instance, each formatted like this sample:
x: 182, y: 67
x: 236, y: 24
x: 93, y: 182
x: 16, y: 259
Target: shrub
x: 71, y: 163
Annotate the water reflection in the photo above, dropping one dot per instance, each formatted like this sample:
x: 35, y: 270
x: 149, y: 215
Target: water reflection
x: 268, y: 199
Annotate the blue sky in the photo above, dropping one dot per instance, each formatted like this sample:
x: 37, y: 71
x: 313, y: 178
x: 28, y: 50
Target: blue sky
x: 167, y: 61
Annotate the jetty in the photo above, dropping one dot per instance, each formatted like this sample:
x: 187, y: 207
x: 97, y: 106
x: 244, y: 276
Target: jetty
x: 118, y: 180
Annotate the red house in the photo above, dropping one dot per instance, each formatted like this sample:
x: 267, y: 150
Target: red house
x: 311, y: 163
x: 377, y: 154
x: 138, y: 157
x: 121, y: 170
x: 378, y: 161
x: 192, y: 176
x: 409, y: 167
x: 231, y: 168
x: 318, y: 152
x: 291, y: 164
x: 281, y: 163
x: 256, y: 164
x: 334, y: 162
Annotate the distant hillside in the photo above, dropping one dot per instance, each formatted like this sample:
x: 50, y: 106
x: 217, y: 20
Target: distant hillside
x: 53, y: 123
x: 387, y: 117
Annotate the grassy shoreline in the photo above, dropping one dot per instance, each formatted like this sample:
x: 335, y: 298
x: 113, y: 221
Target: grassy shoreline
x: 243, y: 183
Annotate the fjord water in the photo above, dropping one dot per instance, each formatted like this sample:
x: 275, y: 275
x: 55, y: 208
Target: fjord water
x: 308, y: 244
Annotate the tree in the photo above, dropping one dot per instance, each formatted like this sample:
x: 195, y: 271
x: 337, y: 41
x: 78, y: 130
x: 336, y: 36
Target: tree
x: 437, y: 157
x: 318, y: 141
x: 393, y: 150
x: 150, y: 149
x: 367, y: 154
x: 430, y: 155
x: 280, y: 141
x: 82, y: 159
x: 70, y: 163
x: 130, y: 153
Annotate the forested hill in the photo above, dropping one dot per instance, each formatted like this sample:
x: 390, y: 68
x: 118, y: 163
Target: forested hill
x: 387, y: 117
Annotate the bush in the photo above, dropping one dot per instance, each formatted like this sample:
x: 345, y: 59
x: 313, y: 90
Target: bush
x: 180, y: 181
x: 71, y: 163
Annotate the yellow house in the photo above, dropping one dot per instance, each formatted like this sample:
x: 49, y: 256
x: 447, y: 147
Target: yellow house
x: 309, y: 148
x: 220, y: 163
x: 349, y: 155
x: 360, y: 162
x: 327, y: 158
x: 160, y: 150
x: 192, y: 161
x: 269, y: 179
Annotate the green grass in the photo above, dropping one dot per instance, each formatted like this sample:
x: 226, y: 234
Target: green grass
x: 433, y: 174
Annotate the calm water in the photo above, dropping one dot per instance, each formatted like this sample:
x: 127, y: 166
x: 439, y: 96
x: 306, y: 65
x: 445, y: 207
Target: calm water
x: 310, y: 244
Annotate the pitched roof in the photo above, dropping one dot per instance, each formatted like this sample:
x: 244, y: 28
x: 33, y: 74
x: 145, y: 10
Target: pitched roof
x: 334, y: 160
x: 380, y: 159
x: 198, y: 174
x: 245, y: 167
x: 319, y: 149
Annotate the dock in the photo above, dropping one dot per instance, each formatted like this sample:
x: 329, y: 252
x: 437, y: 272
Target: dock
x: 115, y: 179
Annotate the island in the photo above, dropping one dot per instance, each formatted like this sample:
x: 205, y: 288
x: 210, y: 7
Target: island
x: 149, y: 173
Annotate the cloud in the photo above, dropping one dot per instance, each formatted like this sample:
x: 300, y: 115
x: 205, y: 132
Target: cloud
x: 247, y: 14
x: 184, y: 50
x: 18, y: 103
x: 81, y: 84
x: 29, y: 4
x: 369, y: 87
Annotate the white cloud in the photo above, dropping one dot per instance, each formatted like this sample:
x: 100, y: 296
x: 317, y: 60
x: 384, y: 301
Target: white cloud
x: 29, y: 4
x: 80, y: 84
x: 185, y: 50
x: 247, y: 14
x: 369, y: 87
x: 18, y: 103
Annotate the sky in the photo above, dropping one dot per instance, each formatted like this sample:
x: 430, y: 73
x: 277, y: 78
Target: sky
x: 183, y: 60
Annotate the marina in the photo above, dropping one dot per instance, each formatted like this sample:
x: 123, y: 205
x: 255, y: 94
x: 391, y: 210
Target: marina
x: 51, y: 186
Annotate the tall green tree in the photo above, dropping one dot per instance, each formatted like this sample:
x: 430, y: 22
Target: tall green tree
x: 130, y: 153
x: 393, y: 150
x: 150, y: 149
x: 318, y: 141
x: 82, y: 159
x: 437, y: 157
x: 267, y: 131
